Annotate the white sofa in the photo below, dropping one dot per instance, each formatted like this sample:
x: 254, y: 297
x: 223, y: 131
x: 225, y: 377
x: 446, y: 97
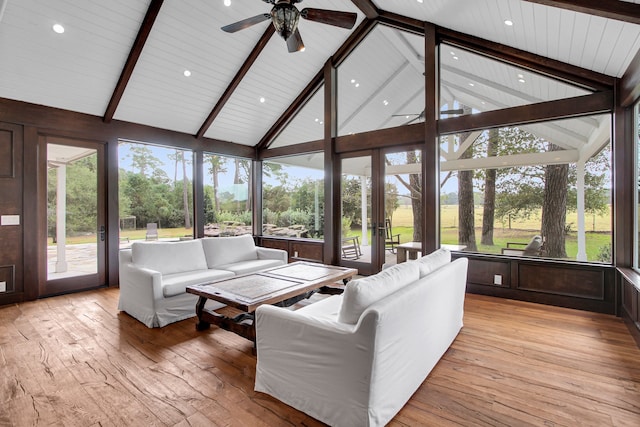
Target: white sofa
x: 154, y: 275
x: 355, y: 359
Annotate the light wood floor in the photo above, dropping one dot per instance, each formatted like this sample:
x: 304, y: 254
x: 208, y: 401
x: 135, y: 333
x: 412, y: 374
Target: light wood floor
x: 75, y: 361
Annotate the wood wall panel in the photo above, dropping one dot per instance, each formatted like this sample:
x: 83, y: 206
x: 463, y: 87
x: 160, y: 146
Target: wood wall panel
x: 6, y: 153
x: 11, y: 199
x: 7, y: 275
x: 569, y: 281
x: 483, y: 272
x: 308, y: 250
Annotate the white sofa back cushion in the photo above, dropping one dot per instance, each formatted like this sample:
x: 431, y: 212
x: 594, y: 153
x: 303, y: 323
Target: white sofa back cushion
x: 361, y: 293
x: 433, y: 261
x: 169, y: 257
x: 229, y: 250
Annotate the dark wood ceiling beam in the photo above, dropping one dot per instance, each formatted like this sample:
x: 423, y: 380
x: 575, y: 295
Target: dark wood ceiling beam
x: 367, y: 7
x: 244, y: 69
x: 290, y: 113
x: 618, y: 10
x: 401, y: 22
x: 132, y: 59
x: 597, y: 103
x: 559, y: 70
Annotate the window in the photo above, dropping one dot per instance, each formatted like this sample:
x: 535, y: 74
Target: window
x: 539, y: 190
x: 155, y: 192
x: 293, y: 196
x: 227, y: 196
x: 636, y: 132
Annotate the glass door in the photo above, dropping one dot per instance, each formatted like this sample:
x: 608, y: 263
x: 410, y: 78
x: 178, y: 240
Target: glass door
x: 402, y: 206
x: 75, y: 218
x: 381, y: 206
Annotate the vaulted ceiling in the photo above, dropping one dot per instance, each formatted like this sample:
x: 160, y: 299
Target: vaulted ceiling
x: 126, y: 60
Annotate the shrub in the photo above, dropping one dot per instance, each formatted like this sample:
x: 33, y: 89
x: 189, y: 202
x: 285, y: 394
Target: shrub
x: 604, y: 253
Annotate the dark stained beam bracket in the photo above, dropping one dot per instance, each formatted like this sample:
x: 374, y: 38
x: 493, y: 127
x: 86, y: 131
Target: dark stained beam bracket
x: 134, y: 54
x: 248, y: 63
x: 618, y: 10
x: 367, y: 7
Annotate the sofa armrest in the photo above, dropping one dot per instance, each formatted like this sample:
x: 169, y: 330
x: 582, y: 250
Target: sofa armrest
x: 271, y: 253
x: 313, y: 364
x: 140, y: 282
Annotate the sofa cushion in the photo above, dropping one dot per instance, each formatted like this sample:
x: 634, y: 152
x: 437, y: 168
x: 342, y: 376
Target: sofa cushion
x: 361, y: 293
x: 176, y: 284
x: 433, y: 261
x: 229, y: 250
x: 251, y: 266
x: 169, y: 257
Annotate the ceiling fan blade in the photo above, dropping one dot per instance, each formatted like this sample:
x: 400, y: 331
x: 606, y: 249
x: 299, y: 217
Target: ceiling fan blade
x: 245, y: 23
x: 294, y: 42
x: 405, y: 115
x: 331, y: 17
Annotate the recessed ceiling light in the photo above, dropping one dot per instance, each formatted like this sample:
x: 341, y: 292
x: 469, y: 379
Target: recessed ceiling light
x: 521, y: 80
x: 357, y: 84
x: 508, y: 22
x: 455, y: 57
x: 227, y: 3
x: 187, y: 73
x: 420, y: 1
x: 58, y: 28
x: 262, y: 100
x: 471, y: 84
x: 353, y: 80
x: 317, y: 119
x: 385, y: 102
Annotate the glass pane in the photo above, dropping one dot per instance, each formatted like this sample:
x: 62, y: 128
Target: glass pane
x: 356, y: 209
x: 155, y: 193
x: 293, y: 196
x: 533, y: 190
x: 381, y: 84
x: 306, y: 126
x: 471, y: 83
x: 227, y: 196
x: 402, y: 202
x: 72, y: 211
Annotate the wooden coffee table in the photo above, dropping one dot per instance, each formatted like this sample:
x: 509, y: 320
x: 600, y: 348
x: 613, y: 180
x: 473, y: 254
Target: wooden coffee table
x: 282, y: 286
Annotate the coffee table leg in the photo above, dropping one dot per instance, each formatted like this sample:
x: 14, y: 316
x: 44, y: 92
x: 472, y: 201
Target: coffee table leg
x: 201, y: 325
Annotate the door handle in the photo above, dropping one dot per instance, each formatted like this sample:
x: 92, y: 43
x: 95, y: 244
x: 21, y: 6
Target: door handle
x: 102, y: 233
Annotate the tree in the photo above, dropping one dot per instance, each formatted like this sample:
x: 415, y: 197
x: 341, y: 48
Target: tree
x: 415, y: 192
x: 142, y: 158
x: 466, y: 227
x: 488, y: 212
x: 554, y: 208
x: 185, y: 192
x: 216, y: 167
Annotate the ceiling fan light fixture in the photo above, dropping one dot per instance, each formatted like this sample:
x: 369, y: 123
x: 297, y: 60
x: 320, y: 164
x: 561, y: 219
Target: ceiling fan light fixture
x: 285, y: 19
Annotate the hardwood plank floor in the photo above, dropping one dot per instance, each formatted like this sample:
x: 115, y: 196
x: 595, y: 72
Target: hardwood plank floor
x: 75, y: 361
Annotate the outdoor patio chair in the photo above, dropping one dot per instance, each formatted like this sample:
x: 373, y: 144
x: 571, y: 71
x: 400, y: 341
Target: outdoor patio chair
x: 535, y: 247
x: 152, y: 231
x: 351, y: 248
x: 391, y: 240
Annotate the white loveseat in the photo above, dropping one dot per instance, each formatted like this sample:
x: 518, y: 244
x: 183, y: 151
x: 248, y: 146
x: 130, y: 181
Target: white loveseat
x: 154, y: 275
x: 355, y: 359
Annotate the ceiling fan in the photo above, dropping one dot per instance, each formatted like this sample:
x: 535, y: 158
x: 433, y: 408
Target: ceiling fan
x: 420, y: 116
x: 285, y: 16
